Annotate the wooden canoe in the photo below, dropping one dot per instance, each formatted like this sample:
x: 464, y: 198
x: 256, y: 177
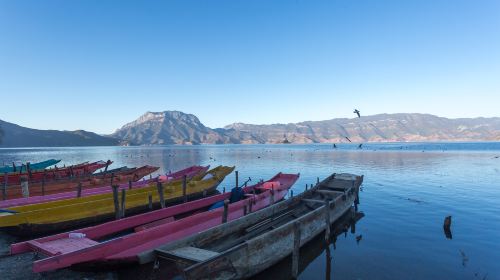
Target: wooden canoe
x: 146, y: 231
x: 57, y: 216
x: 47, y: 175
x: 114, y: 176
x: 242, y: 248
x: 34, y: 166
x: 190, y: 172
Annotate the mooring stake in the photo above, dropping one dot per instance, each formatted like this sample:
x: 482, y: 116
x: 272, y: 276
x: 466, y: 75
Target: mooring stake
x: 116, y: 202
x: 159, y: 186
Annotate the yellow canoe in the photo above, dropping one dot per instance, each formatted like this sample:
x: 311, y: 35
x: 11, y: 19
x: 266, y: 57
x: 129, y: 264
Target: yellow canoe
x: 76, y: 212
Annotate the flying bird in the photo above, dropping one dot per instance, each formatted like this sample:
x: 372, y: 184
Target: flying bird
x: 356, y: 111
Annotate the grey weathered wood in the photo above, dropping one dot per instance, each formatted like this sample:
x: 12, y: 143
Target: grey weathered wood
x: 184, y: 186
x: 5, y: 183
x: 123, y: 207
x: 112, y: 178
x: 150, y: 201
x: 272, y: 195
x: 161, y: 194
x: 296, y: 250
x: 236, y: 174
x: 79, y: 190
x: 245, y: 210
x: 327, y: 221
x: 242, y: 251
x: 116, y: 202
x: 224, y: 214
x: 313, y: 200
x: 291, y: 193
x: 129, y: 184
x: 25, y: 186
x: 43, y: 181
x: 333, y: 193
x: 188, y: 253
x: 224, y: 190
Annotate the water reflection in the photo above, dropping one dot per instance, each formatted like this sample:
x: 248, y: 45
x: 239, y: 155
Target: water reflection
x: 314, y: 249
x: 407, y: 194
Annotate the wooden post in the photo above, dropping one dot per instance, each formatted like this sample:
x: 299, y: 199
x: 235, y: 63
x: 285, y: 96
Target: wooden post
x: 5, y: 182
x: 129, y: 184
x: 112, y: 177
x: 184, y: 185
x: 272, y: 195
x: 245, y: 210
x: 236, y: 172
x: 204, y: 193
x: 116, y: 202
x: 306, y: 187
x: 28, y: 168
x: 291, y: 193
x: 327, y: 222
x: 224, y: 190
x: 107, y: 164
x: 79, y: 190
x: 159, y: 186
x: 296, y: 250
x: 317, y: 180
x: 224, y: 214
x: 43, y: 181
x: 122, y: 214
x: 150, y: 201
x: 250, y: 205
x: 24, y: 186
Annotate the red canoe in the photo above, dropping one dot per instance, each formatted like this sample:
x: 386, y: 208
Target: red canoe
x: 78, y: 170
x: 149, y: 230
x: 189, y: 172
x: 111, y: 177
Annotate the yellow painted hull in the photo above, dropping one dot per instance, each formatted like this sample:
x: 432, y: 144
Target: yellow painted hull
x: 75, y: 209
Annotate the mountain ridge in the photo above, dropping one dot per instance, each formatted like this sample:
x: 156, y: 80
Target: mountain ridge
x: 176, y: 127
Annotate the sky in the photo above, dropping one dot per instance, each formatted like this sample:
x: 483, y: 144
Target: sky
x: 96, y: 65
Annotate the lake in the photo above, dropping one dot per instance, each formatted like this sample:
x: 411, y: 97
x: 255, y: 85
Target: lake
x: 408, y: 191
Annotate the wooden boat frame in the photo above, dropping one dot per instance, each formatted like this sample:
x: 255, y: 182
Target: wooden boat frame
x: 148, y: 229
x: 37, y: 219
x: 244, y: 247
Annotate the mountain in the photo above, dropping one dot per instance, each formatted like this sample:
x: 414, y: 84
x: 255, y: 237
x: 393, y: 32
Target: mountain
x: 174, y: 127
x: 169, y: 127
x: 18, y: 136
x: 379, y: 128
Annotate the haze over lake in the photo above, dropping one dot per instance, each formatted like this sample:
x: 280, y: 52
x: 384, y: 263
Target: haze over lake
x: 408, y: 190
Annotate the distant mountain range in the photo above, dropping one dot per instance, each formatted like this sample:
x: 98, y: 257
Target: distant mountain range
x: 18, y: 136
x: 174, y: 127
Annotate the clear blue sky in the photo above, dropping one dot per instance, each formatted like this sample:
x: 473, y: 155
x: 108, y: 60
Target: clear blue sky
x: 96, y: 65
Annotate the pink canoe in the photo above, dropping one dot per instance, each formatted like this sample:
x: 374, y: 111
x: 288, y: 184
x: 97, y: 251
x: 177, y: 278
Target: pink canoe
x: 189, y: 172
x: 142, y: 233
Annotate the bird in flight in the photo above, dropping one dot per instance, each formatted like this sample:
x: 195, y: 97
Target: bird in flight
x: 356, y: 111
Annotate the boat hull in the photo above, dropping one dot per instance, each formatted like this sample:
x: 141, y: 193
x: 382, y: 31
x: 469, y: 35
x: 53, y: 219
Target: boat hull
x: 245, y: 247
x: 34, y: 230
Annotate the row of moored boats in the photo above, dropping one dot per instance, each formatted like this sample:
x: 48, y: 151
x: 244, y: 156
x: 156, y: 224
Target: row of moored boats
x: 88, y: 214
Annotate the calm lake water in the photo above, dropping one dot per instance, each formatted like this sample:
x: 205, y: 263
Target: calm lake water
x: 407, y: 192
